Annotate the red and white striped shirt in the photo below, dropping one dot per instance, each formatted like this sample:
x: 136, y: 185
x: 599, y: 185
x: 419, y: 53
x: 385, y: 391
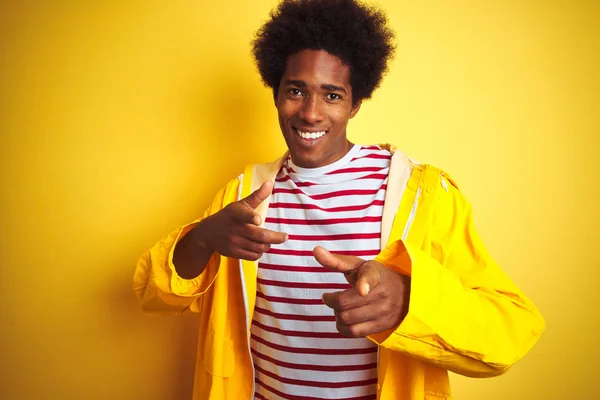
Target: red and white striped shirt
x: 297, y: 351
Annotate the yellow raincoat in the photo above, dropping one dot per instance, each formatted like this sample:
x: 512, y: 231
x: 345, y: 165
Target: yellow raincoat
x: 465, y: 315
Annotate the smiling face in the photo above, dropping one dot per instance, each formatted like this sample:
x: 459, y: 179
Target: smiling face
x: 314, y: 103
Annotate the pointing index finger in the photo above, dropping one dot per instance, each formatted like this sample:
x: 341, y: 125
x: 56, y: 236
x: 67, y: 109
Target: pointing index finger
x: 344, y: 300
x: 267, y: 236
x: 336, y: 262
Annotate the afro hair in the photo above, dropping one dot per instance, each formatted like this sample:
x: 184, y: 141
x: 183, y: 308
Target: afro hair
x: 356, y: 33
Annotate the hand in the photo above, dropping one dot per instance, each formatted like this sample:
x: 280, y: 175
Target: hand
x: 234, y: 231
x: 377, y: 301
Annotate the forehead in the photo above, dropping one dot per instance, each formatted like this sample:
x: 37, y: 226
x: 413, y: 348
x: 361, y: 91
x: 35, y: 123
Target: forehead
x: 317, y: 67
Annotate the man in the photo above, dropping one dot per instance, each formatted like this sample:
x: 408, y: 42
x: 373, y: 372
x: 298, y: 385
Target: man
x: 339, y: 271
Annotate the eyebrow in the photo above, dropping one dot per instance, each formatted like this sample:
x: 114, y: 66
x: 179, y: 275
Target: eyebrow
x: 325, y: 86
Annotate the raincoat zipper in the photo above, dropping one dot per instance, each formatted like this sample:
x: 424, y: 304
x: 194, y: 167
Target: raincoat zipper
x: 245, y: 296
x: 411, y: 217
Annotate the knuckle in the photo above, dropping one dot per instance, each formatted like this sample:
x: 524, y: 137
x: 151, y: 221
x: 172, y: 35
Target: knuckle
x: 387, y: 307
x: 243, y: 230
x: 342, y: 302
x: 343, y: 317
x: 384, y: 294
x: 232, y: 209
x: 341, y: 328
x: 354, y: 331
x: 259, y: 248
x: 244, y: 218
x: 261, y: 235
x: 263, y: 248
x: 384, y: 308
x: 230, y: 241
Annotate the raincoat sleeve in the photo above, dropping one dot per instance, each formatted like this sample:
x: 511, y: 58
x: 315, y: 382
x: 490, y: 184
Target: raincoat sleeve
x: 156, y: 284
x: 465, y: 315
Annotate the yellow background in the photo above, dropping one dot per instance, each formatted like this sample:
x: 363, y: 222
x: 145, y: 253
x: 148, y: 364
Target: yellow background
x: 118, y: 122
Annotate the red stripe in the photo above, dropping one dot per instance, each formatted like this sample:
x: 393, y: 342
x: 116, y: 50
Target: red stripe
x: 330, y: 221
x: 296, y: 317
x: 346, y: 236
x: 308, y: 350
x: 374, y: 147
x: 288, y: 300
x: 286, y: 178
x: 325, y: 335
x: 380, y: 177
x: 374, y: 155
x: 313, y: 367
x: 331, y: 385
x: 260, y: 396
x: 339, y: 193
x: 309, y: 253
x: 304, y: 285
x: 299, y: 206
x: 297, y: 183
x: 289, y: 268
x: 355, y: 169
x: 292, y: 397
x: 294, y: 268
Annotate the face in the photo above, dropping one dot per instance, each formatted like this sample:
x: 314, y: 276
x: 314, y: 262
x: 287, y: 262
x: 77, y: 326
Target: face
x: 314, y: 103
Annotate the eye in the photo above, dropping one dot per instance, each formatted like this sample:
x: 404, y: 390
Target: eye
x: 333, y: 96
x: 295, y: 92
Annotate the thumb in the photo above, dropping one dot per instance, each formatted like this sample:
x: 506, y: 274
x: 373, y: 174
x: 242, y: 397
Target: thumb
x: 336, y: 262
x: 258, y: 196
x: 368, y: 277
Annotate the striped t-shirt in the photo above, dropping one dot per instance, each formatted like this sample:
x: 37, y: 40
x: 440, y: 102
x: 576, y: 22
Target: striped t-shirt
x: 297, y: 351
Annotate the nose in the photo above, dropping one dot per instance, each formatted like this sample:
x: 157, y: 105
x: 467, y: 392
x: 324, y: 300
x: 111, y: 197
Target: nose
x: 312, y: 110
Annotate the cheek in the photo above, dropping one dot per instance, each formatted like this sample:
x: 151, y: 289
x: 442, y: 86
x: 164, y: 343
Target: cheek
x: 286, y: 108
x: 340, y: 118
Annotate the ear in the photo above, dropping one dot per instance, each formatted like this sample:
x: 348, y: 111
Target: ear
x: 355, y: 108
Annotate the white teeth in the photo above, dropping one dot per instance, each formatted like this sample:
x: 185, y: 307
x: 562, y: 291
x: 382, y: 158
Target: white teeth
x: 311, y: 135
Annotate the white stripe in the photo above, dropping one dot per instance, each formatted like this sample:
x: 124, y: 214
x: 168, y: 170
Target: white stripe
x: 323, y: 376
x: 298, y: 326
x: 278, y: 291
x: 325, y: 343
x: 302, y: 277
x: 293, y: 309
x: 336, y: 229
x: 314, y: 392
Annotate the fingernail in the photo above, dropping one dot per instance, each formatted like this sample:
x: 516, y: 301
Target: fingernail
x: 367, y: 288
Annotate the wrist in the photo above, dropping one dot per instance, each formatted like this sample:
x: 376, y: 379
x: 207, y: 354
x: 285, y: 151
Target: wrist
x: 191, y: 254
x: 199, y: 238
